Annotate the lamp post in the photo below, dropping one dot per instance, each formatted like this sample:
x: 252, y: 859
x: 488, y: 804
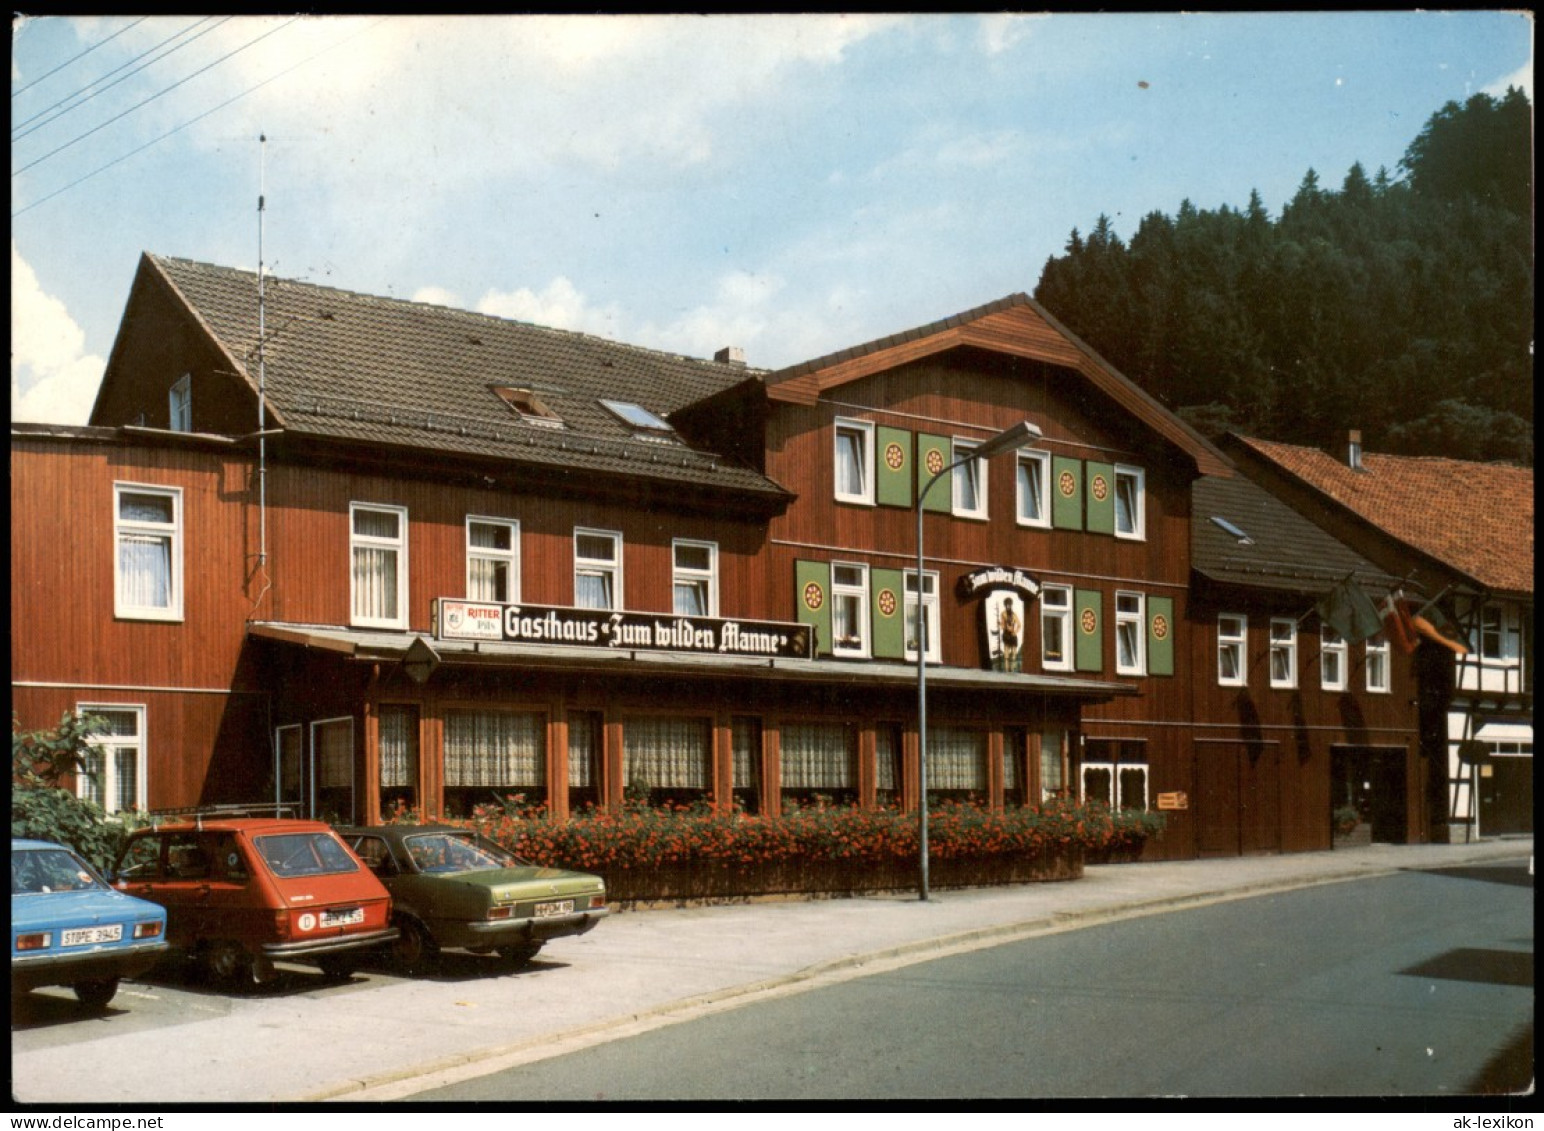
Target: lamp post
x: 1010, y: 440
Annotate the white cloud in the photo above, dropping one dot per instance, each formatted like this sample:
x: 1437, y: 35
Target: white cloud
x: 559, y: 304
x: 1522, y: 78
x: 1005, y: 31
x: 438, y: 296
x: 53, y: 379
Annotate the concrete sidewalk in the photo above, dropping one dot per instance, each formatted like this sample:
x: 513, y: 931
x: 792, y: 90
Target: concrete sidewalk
x: 383, y: 1039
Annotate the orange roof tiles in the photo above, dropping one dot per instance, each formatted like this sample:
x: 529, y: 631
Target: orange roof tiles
x: 1476, y: 518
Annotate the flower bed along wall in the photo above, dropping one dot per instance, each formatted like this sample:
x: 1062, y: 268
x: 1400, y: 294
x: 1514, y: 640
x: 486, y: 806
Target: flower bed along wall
x: 684, y: 854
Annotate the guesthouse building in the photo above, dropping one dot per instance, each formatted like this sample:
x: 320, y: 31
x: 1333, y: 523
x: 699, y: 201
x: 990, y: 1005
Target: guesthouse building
x: 365, y: 556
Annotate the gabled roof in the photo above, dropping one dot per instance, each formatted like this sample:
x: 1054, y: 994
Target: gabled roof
x: 392, y: 373
x: 1271, y: 546
x: 1015, y: 325
x: 1473, y: 518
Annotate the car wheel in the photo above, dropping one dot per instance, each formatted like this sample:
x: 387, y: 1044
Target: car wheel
x: 521, y: 953
x: 414, y: 949
x: 338, y: 967
x: 228, y: 963
x: 96, y: 995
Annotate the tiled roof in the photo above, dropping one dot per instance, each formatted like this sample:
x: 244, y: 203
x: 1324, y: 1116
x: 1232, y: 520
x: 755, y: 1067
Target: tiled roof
x: 1475, y: 518
x: 1280, y: 550
x: 387, y: 371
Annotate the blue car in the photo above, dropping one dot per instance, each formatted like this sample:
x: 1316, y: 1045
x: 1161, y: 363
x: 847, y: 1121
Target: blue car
x: 69, y: 928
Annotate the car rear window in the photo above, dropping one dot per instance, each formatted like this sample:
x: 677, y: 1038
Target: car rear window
x: 449, y: 852
x: 47, y: 870
x: 304, y: 854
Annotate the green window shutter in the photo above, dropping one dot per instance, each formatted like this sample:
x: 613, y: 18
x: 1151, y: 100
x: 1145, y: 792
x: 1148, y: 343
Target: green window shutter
x: 812, y: 600
x: 889, y: 613
x: 1088, y: 628
x: 1101, y: 497
x: 1160, y: 636
x: 933, y: 455
x: 1066, y: 493
x: 893, y: 476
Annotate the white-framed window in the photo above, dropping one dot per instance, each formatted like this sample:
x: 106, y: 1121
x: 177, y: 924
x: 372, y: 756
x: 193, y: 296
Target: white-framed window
x: 1377, y: 663
x: 597, y: 569
x: 147, y: 579
x: 492, y: 559
x: 855, y: 461
x: 1034, y: 488
x: 1115, y: 773
x: 930, y: 615
x: 1332, y: 659
x: 114, y: 774
x: 1283, y: 652
x: 378, y: 565
x: 1232, y: 649
x: 180, y: 404
x: 968, y: 481
x: 1130, y: 503
x: 332, y: 770
x: 695, y: 577
x: 849, y: 609
x: 1130, y: 634
x: 1056, y: 628
x: 1500, y: 635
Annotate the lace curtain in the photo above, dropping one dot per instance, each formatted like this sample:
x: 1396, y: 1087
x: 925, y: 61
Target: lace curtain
x: 494, y: 748
x: 956, y: 759
x: 887, y: 755
x: 583, y: 741
x: 663, y: 752
x: 399, y: 747
x: 819, y: 756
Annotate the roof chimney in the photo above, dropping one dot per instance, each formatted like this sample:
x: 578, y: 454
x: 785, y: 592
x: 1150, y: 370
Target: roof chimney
x: 730, y: 355
x: 1354, y: 450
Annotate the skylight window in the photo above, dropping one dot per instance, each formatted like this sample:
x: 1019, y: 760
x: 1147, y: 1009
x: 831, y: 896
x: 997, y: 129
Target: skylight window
x: 1243, y: 538
x: 647, y: 424
x: 527, y: 406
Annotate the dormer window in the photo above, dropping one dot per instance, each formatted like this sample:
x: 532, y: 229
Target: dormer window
x: 180, y: 404
x: 645, y: 424
x: 525, y: 404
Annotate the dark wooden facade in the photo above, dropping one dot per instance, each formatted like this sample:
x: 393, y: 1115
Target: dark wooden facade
x: 264, y: 670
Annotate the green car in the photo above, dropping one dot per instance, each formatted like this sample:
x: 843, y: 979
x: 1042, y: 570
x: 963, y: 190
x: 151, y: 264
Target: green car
x: 452, y: 889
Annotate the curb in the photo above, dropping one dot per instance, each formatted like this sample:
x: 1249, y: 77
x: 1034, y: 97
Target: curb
x: 389, y: 1085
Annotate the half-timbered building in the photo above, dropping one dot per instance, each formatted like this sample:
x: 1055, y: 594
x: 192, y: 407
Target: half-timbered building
x: 1459, y: 537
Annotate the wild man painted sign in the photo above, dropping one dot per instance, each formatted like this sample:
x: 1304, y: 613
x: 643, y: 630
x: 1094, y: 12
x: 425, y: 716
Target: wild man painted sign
x: 604, y: 628
x: 1008, y: 594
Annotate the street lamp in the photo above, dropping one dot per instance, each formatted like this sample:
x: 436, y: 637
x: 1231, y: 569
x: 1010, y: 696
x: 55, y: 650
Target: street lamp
x: 1010, y: 440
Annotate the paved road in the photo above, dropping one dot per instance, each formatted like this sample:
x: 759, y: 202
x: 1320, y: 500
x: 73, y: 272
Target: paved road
x: 1406, y: 985
x: 382, y: 1037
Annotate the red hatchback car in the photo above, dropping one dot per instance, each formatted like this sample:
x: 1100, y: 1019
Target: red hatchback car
x: 243, y: 892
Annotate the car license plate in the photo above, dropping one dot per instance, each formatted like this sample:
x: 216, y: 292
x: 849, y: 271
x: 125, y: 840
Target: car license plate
x: 343, y: 918
x: 557, y: 907
x: 85, y: 936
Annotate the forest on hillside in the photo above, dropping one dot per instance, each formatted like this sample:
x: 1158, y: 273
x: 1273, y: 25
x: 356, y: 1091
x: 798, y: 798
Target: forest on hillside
x: 1400, y: 304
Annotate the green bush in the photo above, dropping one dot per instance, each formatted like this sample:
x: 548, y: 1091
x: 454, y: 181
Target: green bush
x: 42, y: 808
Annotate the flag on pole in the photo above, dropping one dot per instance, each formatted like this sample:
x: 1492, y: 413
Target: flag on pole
x: 1396, y: 622
x: 1430, y: 631
x: 1350, y: 612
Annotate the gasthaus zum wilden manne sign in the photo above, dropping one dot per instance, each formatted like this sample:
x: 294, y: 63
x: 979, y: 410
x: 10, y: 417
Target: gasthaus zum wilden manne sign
x: 489, y: 622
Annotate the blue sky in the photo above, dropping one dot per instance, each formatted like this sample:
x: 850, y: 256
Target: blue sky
x: 788, y: 184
